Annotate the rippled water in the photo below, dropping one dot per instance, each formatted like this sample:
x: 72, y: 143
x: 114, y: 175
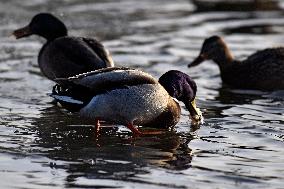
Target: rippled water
x: 240, y: 145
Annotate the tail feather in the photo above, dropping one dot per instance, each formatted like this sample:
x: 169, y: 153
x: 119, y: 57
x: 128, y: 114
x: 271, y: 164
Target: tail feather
x: 67, y: 99
x: 68, y: 102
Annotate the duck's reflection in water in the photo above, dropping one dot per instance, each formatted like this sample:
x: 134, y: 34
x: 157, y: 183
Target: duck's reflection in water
x: 73, y: 147
x: 238, y: 96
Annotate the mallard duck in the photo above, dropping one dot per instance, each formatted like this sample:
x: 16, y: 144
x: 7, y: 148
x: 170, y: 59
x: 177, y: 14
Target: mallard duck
x: 263, y: 70
x: 62, y: 55
x: 128, y: 97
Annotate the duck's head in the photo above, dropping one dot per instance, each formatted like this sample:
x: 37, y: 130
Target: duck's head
x: 43, y: 24
x: 213, y: 48
x: 182, y: 87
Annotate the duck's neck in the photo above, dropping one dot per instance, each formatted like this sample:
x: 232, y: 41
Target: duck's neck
x: 224, y: 58
x: 54, y: 36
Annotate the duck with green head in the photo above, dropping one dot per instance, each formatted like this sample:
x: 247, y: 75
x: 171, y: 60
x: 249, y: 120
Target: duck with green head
x: 263, y: 70
x: 63, y: 55
x: 129, y: 97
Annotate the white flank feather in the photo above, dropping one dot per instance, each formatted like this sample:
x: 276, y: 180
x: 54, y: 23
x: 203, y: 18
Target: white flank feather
x: 67, y: 99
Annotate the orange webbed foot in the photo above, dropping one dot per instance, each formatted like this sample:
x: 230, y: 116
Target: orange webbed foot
x: 137, y: 133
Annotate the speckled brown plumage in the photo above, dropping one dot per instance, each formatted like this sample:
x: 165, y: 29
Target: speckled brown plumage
x: 168, y: 118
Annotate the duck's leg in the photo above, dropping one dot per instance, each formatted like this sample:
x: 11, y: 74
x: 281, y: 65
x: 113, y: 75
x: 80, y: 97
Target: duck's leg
x: 97, y: 125
x: 134, y: 130
x: 96, y: 133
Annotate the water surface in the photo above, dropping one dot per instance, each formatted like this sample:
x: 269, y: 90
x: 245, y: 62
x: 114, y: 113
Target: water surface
x: 240, y: 145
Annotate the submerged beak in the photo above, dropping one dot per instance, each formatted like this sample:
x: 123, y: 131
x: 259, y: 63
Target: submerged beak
x: 22, y: 32
x: 197, y: 61
x: 195, y: 113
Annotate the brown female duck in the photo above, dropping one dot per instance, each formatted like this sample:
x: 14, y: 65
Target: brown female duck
x: 62, y: 55
x: 263, y: 70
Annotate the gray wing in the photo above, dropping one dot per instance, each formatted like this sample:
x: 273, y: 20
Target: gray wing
x: 77, y: 51
x: 109, y: 78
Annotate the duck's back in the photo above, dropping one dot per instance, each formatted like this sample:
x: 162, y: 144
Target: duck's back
x: 85, y: 86
x: 69, y: 56
x: 263, y: 70
x: 109, y: 78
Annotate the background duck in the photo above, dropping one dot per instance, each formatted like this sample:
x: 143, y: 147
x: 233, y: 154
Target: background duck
x: 128, y: 97
x: 263, y: 70
x: 62, y: 55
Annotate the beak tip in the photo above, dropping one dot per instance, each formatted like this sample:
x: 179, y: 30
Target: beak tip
x: 22, y: 32
x: 197, y: 119
x: 196, y: 61
x: 12, y: 35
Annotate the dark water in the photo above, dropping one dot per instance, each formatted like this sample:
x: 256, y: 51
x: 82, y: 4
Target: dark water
x: 240, y: 145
